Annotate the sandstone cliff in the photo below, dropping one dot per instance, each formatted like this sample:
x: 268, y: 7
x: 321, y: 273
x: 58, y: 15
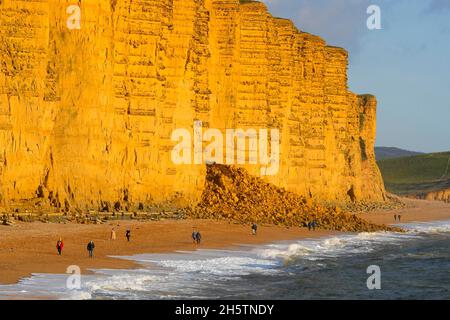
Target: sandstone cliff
x: 438, y: 195
x: 86, y: 115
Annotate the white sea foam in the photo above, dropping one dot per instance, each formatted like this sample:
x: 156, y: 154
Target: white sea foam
x: 235, y: 266
x: 427, y: 227
x: 135, y: 281
x: 318, y: 249
x: 341, y: 245
x: 77, y: 295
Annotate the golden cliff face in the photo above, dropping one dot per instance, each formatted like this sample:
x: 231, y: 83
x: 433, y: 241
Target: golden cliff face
x: 86, y: 115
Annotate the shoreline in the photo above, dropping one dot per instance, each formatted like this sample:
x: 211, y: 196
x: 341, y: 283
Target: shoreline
x: 29, y: 248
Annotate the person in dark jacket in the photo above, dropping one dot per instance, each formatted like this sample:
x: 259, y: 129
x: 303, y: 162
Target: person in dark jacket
x: 90, y: 248
x: 198, y: 237
x: 59, y: 246
x: 128, y: 235
x: 194, y: 236
x: 254, y: 229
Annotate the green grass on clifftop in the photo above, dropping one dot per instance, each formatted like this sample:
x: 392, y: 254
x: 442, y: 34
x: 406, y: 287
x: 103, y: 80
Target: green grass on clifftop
x: 416, y: 174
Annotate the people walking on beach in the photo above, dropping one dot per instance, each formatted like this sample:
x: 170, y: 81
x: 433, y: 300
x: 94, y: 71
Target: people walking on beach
x: 314, y: 225
x: 113, y: 234
x: 254, y: 229
x: 309, y: 226
x: 90, y: 248
x: 399, y: 217
x: 395, y: 217
x: 194, y: 236
x: 59, y: 246
x: 198, y: 237
x: 128, y: 235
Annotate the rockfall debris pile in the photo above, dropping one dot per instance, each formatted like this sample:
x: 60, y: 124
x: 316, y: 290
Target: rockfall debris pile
x: 232, y: 194
x: 392, y: 202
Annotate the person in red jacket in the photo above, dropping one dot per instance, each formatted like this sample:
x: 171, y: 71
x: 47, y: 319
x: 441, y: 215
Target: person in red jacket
x: 59, y: 246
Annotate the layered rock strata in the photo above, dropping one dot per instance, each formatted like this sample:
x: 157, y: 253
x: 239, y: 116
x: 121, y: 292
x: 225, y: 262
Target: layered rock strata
x: 86, y: 115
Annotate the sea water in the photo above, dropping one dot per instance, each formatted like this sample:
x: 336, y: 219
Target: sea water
x: 413, y: 265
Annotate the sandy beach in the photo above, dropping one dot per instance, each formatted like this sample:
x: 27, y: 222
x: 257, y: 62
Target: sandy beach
x: 416, y: 211
x: 31, y: 247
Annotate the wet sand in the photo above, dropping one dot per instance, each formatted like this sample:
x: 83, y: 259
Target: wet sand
x: 31, y: 247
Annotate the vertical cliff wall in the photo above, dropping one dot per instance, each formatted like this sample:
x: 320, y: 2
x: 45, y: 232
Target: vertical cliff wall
x: 86, y: 116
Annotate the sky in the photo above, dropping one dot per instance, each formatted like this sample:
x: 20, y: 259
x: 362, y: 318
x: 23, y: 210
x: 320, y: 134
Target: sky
x: 406, y: 63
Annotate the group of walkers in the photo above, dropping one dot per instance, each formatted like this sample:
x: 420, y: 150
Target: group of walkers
x: 196, y: 237
x: 312, y: 225
x: 127, y: 234
x: 91, y: 245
